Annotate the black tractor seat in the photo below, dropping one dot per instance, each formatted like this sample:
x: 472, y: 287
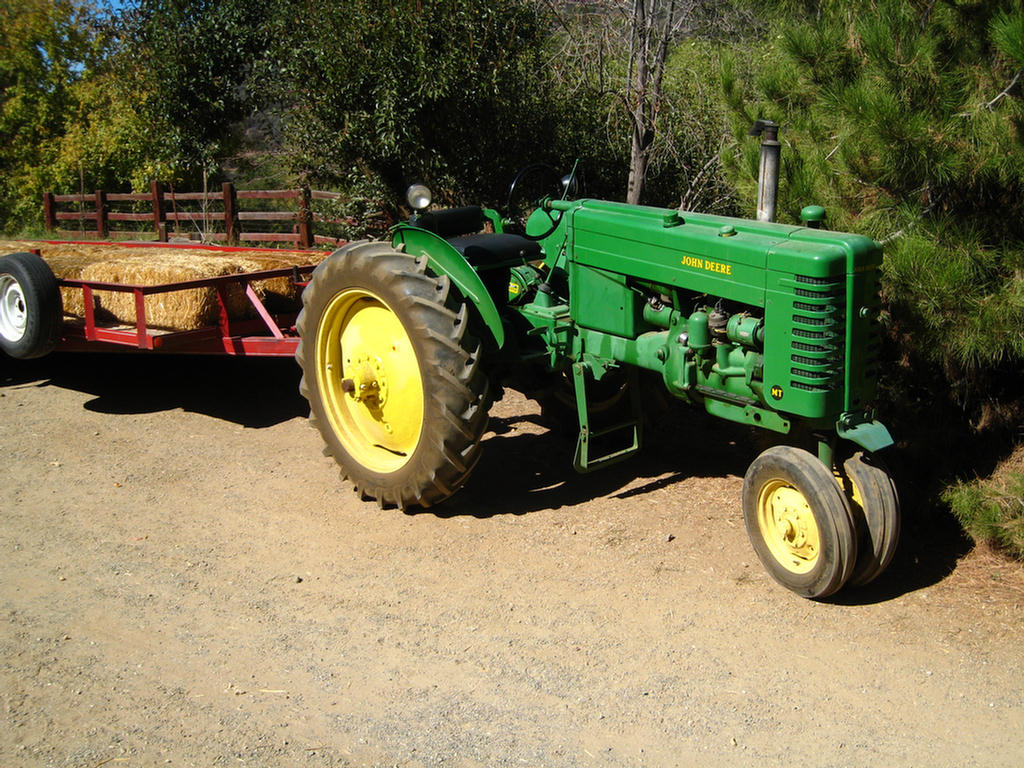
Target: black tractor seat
x: 482, y: 249
x: 491, y: 250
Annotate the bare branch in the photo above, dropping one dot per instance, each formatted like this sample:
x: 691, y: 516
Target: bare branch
x: 1006, y: 90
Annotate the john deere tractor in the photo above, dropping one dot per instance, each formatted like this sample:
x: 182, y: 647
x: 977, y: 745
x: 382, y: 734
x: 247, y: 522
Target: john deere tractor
x: 403, y: 343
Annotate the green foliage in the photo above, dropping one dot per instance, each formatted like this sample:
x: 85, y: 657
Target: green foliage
x: 447, y: 92
x: 107, y: 142
x: 905, y: 119
x: 685, y: 167
x: 359, y: 212
x: 185, y: 66
x: 992, y: 511
x: 47, y: 48
x: 683, y: 122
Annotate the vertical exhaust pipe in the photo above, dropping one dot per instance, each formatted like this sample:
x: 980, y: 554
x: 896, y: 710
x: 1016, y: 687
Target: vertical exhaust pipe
x: 768, y: 178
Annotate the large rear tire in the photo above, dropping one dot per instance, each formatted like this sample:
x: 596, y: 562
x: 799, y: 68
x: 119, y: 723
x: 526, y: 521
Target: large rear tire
x: 31, y: 312
x: 799, y: 522
x: 393, y: 375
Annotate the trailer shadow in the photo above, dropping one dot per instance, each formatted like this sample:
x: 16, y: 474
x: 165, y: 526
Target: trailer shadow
x: 254, y: 393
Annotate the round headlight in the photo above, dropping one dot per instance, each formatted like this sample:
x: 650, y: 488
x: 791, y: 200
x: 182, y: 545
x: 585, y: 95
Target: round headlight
x: 418, y: 196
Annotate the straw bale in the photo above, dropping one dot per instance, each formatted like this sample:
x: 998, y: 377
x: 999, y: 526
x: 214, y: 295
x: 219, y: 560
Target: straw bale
x: 67, y: 261
x: 175, y: 310
x: 278, y: 293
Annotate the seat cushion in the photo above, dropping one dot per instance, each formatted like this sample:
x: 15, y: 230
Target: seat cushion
x: 490, y: 249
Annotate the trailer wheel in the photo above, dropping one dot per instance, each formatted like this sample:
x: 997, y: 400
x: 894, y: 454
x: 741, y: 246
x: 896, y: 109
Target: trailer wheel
x: 31, y: 312
x: 873, y: 499
x: 393, y: 375
x: 799, y: 521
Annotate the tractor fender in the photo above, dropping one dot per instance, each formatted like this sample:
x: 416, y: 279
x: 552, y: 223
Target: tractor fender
x: 870, y: 435
x: 444, y: 259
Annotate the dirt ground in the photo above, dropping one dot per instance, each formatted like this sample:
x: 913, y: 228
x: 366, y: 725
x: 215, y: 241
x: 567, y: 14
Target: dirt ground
x: 185, y: 581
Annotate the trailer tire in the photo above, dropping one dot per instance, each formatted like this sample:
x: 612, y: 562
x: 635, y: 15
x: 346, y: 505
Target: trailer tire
x: 31, y: 312
x: 876, y: 509
x: 393, y: 374
x: 799, y: 521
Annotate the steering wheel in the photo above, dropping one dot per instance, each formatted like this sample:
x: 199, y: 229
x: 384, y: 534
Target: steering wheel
x: 550, y: 179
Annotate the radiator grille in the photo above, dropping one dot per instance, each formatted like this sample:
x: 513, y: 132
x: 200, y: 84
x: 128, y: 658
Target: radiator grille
x: 816, y: 347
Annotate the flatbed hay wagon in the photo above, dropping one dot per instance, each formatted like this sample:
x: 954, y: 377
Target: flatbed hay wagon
x: 180, y: 298
x: 584, y: 304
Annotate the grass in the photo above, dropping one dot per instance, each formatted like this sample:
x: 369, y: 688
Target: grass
x: 991, y: 510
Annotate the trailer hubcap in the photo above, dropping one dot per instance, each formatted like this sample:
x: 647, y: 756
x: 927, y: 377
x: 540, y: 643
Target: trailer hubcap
x: 13, y: 314
x: 788, y: 527
x: 370, y: 377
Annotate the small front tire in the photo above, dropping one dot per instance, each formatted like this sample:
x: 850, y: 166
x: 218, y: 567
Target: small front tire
x: 876, y: 508
x: 799, y: 522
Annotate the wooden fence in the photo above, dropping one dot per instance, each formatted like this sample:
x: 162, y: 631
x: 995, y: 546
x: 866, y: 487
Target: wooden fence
x: 225, y: 216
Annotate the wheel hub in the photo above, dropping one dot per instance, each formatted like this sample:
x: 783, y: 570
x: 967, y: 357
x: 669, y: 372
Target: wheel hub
x: 13, y: 313
x: 788, y: 527
x: 369, y: 374
x: 366, y: 380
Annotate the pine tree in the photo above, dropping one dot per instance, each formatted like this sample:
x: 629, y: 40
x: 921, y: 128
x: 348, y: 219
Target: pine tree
x: 905, y: 118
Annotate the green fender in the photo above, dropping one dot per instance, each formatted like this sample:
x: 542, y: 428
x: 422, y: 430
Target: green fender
x: 870, y: 435
x: 445, y: 260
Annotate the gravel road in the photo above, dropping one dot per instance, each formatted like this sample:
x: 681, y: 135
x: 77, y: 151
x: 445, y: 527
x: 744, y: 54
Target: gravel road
x: 186, y: 581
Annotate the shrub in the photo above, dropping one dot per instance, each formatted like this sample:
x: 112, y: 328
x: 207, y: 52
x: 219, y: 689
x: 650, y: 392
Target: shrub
x: 992, y: 510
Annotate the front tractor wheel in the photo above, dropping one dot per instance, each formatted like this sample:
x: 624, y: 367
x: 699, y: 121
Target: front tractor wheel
x: 799, y: 522
x: 392, y: 374
x: 876, y: 508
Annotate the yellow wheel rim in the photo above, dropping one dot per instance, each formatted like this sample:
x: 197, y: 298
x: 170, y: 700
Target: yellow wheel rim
x: 851, y: 491
x: 369, y: 379
x: 788, y: 526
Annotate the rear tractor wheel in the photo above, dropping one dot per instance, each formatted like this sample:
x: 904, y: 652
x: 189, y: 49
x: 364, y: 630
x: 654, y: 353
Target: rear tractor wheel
x: 799, y: 522
x: 392, y: 374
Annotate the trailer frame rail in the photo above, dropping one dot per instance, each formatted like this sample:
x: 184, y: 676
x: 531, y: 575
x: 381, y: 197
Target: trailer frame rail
x: 266, y: 335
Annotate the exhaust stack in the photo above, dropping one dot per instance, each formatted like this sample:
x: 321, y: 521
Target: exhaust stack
x: 768, y: 179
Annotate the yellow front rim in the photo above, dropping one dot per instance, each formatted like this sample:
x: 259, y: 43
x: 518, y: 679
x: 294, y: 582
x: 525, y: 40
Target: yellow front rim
x: 788, y: 526
x: 369, y: 379
x: 852, y: 492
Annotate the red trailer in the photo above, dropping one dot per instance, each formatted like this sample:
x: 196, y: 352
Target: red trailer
x: 33, y: 322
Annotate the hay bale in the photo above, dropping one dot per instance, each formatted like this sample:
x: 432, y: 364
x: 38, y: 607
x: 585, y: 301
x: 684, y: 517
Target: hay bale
x: 175, y: 310
x: 67, y: 261
x: 279, y: 293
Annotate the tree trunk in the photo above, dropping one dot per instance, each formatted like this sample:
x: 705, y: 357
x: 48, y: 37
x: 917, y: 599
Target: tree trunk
x: 649, y: 41
x: 640, y: 150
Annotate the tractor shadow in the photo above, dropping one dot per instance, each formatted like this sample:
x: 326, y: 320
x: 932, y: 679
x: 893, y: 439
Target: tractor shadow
x: 251, y: 392
x: 524, y: 469
x: 532, y: 466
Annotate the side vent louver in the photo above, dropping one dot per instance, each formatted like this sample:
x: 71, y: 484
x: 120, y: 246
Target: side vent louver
x: 818, y: 334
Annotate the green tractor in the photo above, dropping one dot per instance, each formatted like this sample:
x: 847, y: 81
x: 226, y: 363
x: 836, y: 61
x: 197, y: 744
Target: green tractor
x: 769, y: 325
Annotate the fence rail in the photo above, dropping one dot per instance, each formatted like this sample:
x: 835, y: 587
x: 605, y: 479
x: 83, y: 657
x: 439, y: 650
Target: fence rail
x: 219, y: 217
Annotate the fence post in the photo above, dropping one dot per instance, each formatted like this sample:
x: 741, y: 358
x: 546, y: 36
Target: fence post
x: 157, y: 192
x: 305, y: 219
x: 49, y: 212
x: 101, y: 214
x: 231, y: 227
